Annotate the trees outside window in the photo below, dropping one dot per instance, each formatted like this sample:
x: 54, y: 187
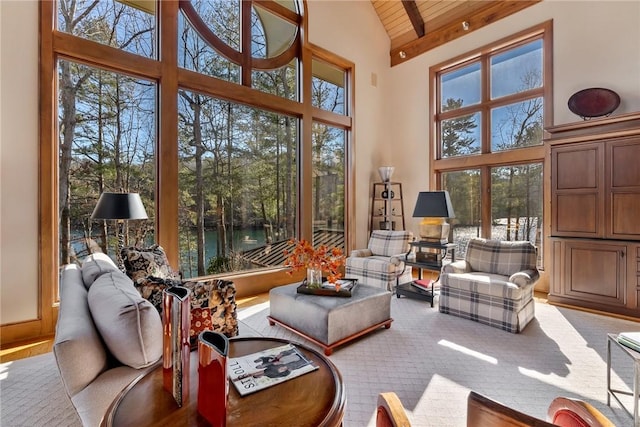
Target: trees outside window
x: 491, y: 108
x: 198, y: 106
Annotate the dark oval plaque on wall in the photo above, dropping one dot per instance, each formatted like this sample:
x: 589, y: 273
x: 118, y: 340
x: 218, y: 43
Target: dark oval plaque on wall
x: 594, y: 102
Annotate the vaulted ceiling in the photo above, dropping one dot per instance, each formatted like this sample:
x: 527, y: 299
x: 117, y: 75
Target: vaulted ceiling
x: 416, y: 26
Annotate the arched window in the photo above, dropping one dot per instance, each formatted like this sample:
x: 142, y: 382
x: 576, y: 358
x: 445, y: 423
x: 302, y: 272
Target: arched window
x: 202, y: 108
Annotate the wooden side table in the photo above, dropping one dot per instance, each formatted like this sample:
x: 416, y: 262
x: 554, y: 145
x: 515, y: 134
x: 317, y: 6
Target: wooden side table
x: 612, y: 339
x: 314, y: 399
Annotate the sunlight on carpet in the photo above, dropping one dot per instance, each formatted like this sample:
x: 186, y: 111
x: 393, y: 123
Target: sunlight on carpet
x: 431, y: 360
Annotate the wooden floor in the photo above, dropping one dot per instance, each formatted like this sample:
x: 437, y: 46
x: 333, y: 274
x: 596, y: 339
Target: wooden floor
x: 21, y: 350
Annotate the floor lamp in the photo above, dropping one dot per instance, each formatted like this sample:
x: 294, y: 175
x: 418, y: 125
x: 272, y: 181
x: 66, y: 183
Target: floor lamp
x: 120, y: 207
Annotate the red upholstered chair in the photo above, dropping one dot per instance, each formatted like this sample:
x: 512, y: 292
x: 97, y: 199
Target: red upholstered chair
x: 390, y: 412
x: 566, y: 412
x: 485, y: 412
x: 562, y: 412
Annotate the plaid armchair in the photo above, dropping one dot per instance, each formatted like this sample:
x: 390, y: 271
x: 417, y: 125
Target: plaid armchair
x: 381, y: 263
x: 493, y: 285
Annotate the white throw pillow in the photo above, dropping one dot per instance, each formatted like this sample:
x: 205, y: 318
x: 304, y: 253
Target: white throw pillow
x: 129, y: 324
x: 96, y: 265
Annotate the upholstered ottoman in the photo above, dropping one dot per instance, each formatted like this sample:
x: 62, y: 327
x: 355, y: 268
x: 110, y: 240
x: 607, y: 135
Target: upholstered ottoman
x: 330, y: 321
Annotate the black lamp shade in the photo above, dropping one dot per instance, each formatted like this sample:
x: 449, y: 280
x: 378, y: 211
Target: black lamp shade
x: 433, y: 204
x: 119, y: 206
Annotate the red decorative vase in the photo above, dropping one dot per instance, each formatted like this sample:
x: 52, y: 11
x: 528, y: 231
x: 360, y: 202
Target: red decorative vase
x: 176, y: 321
x: 213, y: 383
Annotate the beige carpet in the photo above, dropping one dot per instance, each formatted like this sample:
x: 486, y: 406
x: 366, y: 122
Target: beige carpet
x: 431, y: 360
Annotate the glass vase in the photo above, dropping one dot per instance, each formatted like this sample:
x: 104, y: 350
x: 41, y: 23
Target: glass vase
x: 314, y: 278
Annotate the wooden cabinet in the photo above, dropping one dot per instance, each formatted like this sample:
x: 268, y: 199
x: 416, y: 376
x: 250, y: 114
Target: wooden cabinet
x: 595, y: 214
x: 595, y: 188
x: 577, y: 177
x: 622, y: 188
x: 596, y: 274
x: 387, y: 207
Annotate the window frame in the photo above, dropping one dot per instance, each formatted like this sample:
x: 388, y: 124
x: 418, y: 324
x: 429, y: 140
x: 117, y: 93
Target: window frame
x: 55, y: 45
x: 486, y: 160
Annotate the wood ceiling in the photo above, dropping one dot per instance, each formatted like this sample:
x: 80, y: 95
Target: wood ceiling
x: 416, y: 26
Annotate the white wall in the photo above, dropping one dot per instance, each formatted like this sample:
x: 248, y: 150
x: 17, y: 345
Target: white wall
x: 595, y: 44
x: 18, y: 161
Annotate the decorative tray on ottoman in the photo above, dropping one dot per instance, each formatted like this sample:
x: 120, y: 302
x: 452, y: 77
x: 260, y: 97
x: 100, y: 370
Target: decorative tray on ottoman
x: 347, y: 286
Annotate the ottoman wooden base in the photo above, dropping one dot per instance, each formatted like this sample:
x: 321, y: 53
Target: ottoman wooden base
x: 328, y: 348
x: 329, y: 321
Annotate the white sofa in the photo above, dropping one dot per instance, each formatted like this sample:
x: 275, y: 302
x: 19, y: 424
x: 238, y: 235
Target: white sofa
x: 109, y: 328
x: 106, y: 336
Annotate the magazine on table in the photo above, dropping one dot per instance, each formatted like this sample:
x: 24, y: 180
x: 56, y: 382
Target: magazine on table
x: 263, y: 369
x: 630, y: 339
x: 345, y: 284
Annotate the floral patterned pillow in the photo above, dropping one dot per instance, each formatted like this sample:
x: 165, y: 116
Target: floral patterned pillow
x: 224, y: 318
x: 213, y: 298
x: 144, y: 262
x: 151, y: 288
x: 200, y: 321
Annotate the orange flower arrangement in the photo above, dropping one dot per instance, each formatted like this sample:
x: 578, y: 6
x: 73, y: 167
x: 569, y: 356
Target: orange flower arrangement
x: 304, y: 255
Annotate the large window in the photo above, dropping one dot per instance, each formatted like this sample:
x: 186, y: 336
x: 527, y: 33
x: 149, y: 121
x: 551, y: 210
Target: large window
x: 107, y: 131
x: 200, y: 107
x: 491, y: 107
x: 237, y: 181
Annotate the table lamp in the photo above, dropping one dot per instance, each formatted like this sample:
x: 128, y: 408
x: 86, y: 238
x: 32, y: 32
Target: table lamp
x: 120, y: 207
x: 434, y: 207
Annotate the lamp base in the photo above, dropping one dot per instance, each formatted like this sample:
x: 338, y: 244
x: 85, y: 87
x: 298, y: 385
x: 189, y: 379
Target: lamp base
x: 434, y: 231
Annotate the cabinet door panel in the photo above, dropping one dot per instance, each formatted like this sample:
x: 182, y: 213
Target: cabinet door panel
x: 595, y: 272
x: 625, y: 158
x: 623, y: 188
x: 577, y: 168
x: 625, y: 219
x: 577, y: 214
x: 577, y: 193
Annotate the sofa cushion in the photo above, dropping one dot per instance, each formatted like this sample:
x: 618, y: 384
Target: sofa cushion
x: 500, y: 257
x: 143, y: 262
x: 93, y: 401
x: 95, y: 265
x: 129, y: 324
x: 78, y: 348
x: 389, y: 243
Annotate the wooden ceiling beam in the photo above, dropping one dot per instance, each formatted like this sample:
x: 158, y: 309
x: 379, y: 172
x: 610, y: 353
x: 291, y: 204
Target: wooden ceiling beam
x: 494, y: 11
x: 411, y: 8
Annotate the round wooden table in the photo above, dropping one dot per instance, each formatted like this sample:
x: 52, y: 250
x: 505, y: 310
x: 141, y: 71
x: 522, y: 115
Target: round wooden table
x: 316, y: 398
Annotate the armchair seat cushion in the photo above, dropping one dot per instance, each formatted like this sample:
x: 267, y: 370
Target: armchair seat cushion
x: 486, y: 284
